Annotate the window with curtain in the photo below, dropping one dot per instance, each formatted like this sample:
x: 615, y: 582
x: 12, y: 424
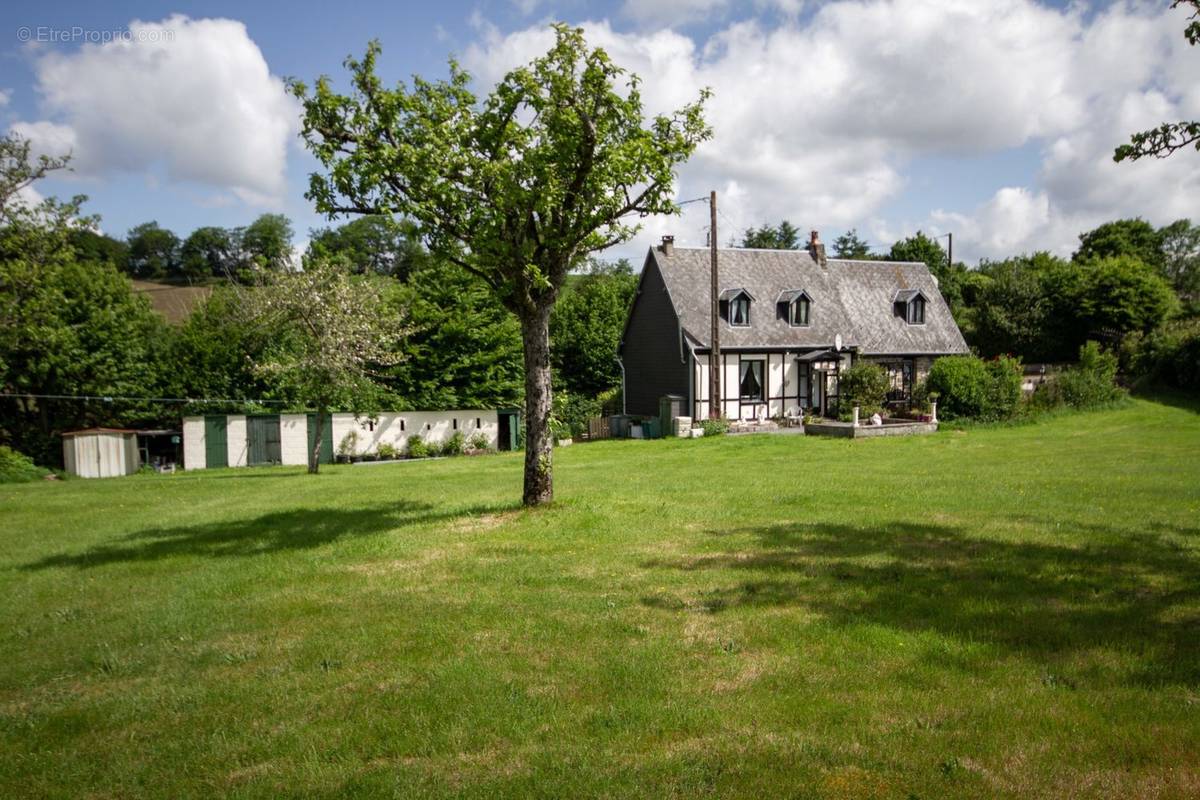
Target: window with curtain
x: 752, y: 388
x: 739, y: 311
x: 916, y: 311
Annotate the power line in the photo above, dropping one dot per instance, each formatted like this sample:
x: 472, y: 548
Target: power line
x: 111, y: 398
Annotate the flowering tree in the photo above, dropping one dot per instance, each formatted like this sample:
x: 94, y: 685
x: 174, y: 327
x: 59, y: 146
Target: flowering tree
x: 332, y: 331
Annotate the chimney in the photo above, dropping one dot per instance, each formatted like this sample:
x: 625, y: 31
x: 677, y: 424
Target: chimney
x: 817, y: 250
x: 668, y: 246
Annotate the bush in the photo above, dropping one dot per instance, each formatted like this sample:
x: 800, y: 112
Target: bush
x: 479, y: 443
x: 418, y: 448
x: 571, y: 414
x: 387, y: 450
x: 18, y: 468
x: 865, y: 384
x: 456, y: 445
x: 1089, y: 384
x: 1169, y: 356
x: 970, y: 388
x: 715, y: 427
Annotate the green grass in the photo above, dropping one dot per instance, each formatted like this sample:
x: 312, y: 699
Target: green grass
x: 1007, y: 611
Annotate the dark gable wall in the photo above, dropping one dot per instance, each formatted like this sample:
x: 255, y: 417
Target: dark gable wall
x: 651, y: 349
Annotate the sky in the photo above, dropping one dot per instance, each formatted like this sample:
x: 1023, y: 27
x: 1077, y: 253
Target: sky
x: 993, y: 120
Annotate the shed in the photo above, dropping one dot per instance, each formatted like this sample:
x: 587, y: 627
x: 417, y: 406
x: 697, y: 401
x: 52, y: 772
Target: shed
x: 101, y: 452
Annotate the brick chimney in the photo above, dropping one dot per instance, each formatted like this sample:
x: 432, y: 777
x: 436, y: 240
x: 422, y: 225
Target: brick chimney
x: 668, y: 246
x: 817, y: 250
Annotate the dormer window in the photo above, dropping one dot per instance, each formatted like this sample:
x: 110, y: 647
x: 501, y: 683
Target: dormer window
x: 796, y: 307
x: 910, y: 304
x: 735, y: 307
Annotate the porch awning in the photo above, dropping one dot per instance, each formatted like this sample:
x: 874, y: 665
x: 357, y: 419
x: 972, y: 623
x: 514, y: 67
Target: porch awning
x: 818, y: 355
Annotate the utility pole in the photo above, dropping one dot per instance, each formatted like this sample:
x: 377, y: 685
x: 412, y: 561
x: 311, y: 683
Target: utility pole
x: 950, y: 250
x: 715, y: 406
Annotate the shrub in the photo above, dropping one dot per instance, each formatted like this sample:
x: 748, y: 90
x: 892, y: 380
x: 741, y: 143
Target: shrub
x: 349, y: 444
x: 456, y: 445
x: 866, y: 384
x: 969, y: 387
x: 1089, y: 384
x: 571, y: 414
x: 715, y: 427
x: 417, y: 447
x: 1168, y: 356
x: 386, y: 450
x: 479, y: 443
x: 18, y: 468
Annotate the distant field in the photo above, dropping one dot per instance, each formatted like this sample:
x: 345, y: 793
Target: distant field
x: 174, y: 302
x: 1001, y: 612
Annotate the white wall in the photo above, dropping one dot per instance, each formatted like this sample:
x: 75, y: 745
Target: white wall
x: 193, y: 443
x: 293, y: 439
x: 396, y: 428
x: 235, y: 440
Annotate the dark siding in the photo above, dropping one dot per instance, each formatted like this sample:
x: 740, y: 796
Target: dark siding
x: 651, y: 349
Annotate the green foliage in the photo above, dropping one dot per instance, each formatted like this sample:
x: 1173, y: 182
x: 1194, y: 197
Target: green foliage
x: 417, y: 447
x: 865, y: 384
x: 153, y: 251
x: 266, y: 243
x: 1132, y: 238
x: 208, y: 252
x: 479, y: 443
x: 851, y: 245
x: 97, y: 248
x: 970, y: 388
x: 1118, y: 295
x: 456, y: 445
x: 1169, y: 356
x: 463, y: 350
x: 386, y: 450
x: 784, y: 236
x: 1180, y: 242
x: 586, y: 328
x: 715, y: 427
x: 572, y: 412
x: 18, y: 468
x: 1092, y: 382
x: 377, y: 244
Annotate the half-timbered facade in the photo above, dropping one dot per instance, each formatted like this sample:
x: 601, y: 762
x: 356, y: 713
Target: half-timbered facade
x: 790, y: 322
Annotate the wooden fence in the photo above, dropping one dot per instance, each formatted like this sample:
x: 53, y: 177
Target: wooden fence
x: 599, y: 428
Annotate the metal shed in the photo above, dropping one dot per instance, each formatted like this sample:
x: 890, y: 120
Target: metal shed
x: 101, y: 452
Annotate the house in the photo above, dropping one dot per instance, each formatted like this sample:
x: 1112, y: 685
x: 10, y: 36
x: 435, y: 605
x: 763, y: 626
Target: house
x: 789, y: 322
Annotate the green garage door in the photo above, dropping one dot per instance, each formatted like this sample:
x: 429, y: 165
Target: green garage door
x: 216, y: 450
x: 262, y: 434
x: 326, y: 439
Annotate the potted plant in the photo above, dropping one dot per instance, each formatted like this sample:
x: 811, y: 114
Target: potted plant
x: 348, y: 448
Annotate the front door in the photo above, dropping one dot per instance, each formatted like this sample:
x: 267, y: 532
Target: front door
x: 262, y: 431
x: 216, y: 450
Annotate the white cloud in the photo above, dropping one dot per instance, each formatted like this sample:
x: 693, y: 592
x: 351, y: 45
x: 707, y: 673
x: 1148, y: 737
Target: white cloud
x: 5, y: 97
x: 194, y: 97
x: 673, y: 12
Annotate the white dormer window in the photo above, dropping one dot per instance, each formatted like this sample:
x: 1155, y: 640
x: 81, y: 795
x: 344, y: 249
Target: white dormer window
x: 796, y: 307
x: 798, y: 315
x: 916, y: 311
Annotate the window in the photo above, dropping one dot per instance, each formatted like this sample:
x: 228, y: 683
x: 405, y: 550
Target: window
x: 739, y: 310
x: 916, y: 311
x: 751, y: 381
x: 798, y: 313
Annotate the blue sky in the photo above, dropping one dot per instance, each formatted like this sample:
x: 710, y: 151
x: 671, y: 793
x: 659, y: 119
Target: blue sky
x: 995, y: 121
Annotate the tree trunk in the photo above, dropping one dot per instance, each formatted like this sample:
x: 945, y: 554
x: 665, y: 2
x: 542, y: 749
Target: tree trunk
x: 314, y: 458
x: 539, y: 451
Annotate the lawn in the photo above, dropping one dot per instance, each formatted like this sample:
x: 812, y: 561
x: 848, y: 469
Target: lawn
x: 1008, y: 612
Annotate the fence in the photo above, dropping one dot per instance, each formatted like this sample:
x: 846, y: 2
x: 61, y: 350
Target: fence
x: 599, y: 428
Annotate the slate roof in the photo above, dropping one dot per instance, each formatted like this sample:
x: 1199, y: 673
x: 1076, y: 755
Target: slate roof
x: 852, y: 298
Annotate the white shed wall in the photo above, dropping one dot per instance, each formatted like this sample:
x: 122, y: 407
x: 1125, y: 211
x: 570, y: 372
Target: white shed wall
x: 235, y: 440
x: 396, y: 428
x: 193, y: 443
x: 293, y: 439
x: 101, y: 455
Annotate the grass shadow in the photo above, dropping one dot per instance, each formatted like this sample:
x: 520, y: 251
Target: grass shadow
x: 1137, y: 593
x: 278, y: 531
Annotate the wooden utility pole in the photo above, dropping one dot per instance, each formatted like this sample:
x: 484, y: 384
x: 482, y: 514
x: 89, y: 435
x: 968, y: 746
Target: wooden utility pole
x: 714, y: 355
x: 950, y: 251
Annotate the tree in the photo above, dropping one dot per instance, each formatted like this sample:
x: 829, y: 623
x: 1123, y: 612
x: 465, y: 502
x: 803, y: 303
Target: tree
x: 784, y: 236
x: 331, y: 333
x: 517, y: 188
x: 1011, y: 309
x: 1169, y: 137
x: 1180, y: 244
x: 1120, y: 295
x: 1135, y: 238
x: 266, y: 243
x: 377, y: 244
x: 19, y: 171
x: 153, y: 251
x: 98, y: 248
x: 463, y: 351
x: 850, y: 245
x: 586, y: 328
x: 208, y: 252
